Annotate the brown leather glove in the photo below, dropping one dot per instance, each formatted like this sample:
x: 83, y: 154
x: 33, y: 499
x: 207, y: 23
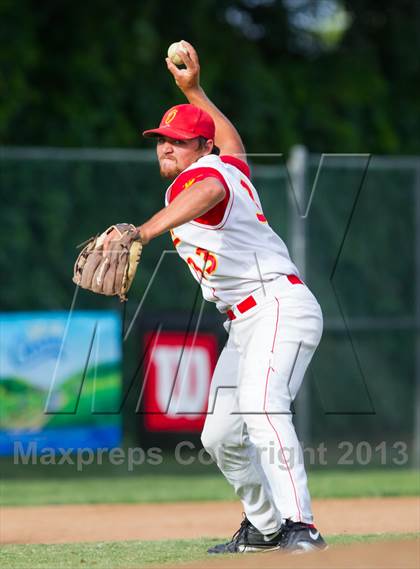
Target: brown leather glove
x: 109, y: 270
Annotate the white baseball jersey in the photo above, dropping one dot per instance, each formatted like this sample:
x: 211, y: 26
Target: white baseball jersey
x: 231, y: 250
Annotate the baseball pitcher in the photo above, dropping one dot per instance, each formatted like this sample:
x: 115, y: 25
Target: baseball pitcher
x: 219, y: 229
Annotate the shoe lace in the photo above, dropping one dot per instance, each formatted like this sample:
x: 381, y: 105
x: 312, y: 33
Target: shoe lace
x: 286, y: 528
x: 242, y: 532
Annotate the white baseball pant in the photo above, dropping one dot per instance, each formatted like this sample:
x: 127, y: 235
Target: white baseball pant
x: 249, y: 429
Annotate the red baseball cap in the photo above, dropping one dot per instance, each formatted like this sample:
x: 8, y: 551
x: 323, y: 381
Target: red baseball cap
x: 184, y: 122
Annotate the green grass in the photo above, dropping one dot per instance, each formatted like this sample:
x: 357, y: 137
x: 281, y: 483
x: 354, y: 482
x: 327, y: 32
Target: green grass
x: 182, y: 487
x: 360, y: 483
x: 133, y: 554
x: 115, y: 490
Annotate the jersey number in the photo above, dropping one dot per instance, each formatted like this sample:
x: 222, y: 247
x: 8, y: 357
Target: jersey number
x: 260, y: 216
x: 176, y: 240
x: 209, y: 264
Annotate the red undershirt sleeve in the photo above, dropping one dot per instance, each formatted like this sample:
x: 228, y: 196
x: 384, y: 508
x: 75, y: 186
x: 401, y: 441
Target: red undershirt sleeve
x: 238, y: 163
x: 215, y: 215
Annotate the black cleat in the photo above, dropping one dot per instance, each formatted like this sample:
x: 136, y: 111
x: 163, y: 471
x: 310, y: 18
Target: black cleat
x: 299, y: 537
x: 248, y: 539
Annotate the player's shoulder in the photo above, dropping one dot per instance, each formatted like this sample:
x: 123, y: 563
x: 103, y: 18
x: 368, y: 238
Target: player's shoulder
x: 220, y: 163
x: 204, y: 167
x: 237, y: 163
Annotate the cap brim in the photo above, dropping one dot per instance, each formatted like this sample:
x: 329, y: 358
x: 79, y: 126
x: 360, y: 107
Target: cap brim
x: 170, y: 133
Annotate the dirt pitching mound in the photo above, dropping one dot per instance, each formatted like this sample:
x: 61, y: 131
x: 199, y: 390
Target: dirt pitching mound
x: 189, y: 520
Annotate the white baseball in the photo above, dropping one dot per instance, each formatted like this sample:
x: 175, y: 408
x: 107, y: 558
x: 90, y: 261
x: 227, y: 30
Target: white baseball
x: 172, y: 52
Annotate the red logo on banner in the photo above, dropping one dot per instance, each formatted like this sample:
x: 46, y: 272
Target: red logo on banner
x: 178, y: 372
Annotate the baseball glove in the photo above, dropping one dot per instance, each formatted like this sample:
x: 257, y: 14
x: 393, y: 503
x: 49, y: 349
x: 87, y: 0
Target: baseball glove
x: 109, y: 271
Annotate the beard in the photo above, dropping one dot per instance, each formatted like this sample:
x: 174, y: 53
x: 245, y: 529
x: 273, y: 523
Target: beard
x: 170, y: 170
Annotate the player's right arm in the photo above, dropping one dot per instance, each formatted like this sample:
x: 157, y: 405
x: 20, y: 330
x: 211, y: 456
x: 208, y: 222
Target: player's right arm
x: 188, y: 80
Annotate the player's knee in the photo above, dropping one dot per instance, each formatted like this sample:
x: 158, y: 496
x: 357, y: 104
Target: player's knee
x: 214, y: 440
x: 210, y: 439
x: 226, y: 452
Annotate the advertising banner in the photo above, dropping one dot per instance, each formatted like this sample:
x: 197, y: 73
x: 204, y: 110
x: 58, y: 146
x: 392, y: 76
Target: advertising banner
x: 178, y: 372
x: 60, y: 380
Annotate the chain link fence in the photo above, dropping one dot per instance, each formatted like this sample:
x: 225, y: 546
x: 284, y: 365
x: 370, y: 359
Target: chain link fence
x: 352, y: 224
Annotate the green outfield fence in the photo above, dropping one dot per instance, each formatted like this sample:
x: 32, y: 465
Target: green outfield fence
x: 357, y: 245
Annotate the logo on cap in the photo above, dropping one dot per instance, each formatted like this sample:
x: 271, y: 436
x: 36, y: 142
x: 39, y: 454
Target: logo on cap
x: 171, y: 115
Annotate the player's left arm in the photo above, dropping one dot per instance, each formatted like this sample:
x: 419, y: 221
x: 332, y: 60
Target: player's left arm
x: 191, y: 203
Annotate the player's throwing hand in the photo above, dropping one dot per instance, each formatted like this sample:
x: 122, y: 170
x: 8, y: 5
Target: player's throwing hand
x: 187, y: 78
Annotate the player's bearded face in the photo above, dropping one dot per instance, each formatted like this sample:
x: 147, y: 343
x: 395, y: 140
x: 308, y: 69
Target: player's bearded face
x: 176, y: 155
